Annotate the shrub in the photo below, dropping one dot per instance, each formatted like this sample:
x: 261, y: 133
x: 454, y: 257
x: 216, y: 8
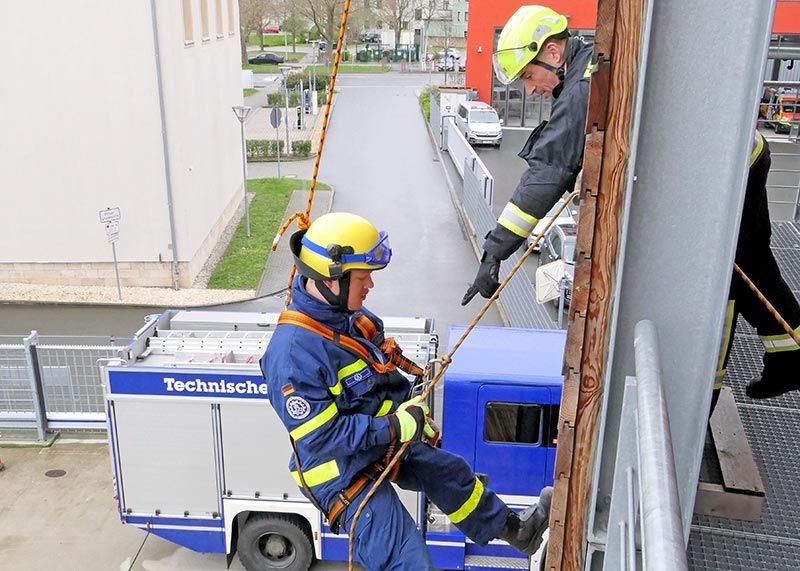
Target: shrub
x: 425, y: 99
x: 275, y: 99
x: 260, y: 149
x: 301, y: 148
x: 293, y: 79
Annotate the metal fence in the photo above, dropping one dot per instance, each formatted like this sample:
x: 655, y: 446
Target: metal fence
x: 52, y: 386
x: 644, y: 497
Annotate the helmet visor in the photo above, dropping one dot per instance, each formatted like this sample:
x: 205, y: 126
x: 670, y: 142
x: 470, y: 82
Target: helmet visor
x: 378, y: 255
x: 499, y: 71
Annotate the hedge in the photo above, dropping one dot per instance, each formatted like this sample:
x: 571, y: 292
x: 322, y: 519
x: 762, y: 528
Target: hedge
x: 278, y: 100
x: 266, y: 149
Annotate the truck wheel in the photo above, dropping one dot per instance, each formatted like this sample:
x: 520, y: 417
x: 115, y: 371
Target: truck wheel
x: 274, y: 541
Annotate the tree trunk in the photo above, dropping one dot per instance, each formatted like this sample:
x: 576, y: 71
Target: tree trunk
x: 261, y: 37
x: 243, y: 45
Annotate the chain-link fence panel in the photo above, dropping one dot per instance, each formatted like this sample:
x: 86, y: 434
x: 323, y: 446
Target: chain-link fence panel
x: 16, y: 396
x: 71, y: 377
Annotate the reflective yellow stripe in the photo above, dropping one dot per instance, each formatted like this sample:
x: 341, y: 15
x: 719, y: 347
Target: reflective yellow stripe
x: 315, y: 422
x: 780, y: 343
x: 588, y: 71
x: 517, y: 220
x: 717, y: 385
x: 336, y: 389
x: 319, y: 474
x: 350, y: 369
x: 757, y: 150
x: 385, y: 408
x: 469, y: 506
x: 726, y: 337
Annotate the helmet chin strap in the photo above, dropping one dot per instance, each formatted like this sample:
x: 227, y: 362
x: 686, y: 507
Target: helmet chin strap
x: 559, y: 73
x: 338, y: 301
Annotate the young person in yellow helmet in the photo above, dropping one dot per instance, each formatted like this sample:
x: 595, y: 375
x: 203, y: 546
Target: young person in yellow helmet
x: 335, y: 384
x: 535, y: 46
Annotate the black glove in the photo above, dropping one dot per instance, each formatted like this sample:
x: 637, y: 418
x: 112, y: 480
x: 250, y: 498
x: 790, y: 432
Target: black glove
x: 486, y: 282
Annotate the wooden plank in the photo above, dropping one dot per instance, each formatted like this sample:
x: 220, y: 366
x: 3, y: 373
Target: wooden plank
x: 617, y: 43
x: 715, y: 500
x: 739, y: 470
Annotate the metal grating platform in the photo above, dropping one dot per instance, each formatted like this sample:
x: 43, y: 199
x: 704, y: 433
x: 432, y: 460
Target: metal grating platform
x: 773, y: 430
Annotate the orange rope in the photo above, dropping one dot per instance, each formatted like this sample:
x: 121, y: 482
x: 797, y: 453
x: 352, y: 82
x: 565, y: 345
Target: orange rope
x: 304, y: 218
x: 445, y: 362
x: 778, y: 317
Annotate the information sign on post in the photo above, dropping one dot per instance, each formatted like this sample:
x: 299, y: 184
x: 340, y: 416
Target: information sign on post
x: 110, y: 218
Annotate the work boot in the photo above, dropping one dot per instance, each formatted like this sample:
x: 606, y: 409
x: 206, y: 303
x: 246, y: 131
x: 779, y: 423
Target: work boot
x: 781, y: 374
x: 523, y: 531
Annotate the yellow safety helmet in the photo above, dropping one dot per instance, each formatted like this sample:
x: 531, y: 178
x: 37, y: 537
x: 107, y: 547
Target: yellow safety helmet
x: 338, y: 242
x: 522, y: 39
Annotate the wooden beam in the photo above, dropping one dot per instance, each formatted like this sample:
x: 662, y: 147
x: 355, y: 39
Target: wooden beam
x: 612, y: 93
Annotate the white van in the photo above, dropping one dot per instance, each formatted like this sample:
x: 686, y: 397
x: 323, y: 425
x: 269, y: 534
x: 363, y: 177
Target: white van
x: 479, y: 123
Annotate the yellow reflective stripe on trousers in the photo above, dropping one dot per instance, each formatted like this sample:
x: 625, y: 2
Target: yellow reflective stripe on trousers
x: 726, y: 339
x: 385, y: 408
x: 780, y: 343
x: 319, y: 474
x: 469, y: 506
x: 516, y: 220
x: 312, y: 424
x: 758, y: 148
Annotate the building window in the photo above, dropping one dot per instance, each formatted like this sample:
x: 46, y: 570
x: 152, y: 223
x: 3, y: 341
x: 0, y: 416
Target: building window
x: 466, y: 16
x: 458, y: 16
x: 218, y: 14
x: 231, y: 31
x: 445, y: 4
x: 188, y: 29
x: 404, y: 25
x: 512, y: 423
x: 204, y: 19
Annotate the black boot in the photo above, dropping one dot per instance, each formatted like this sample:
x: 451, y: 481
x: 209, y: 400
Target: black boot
x: 781, y: 374
x: 524, y: 531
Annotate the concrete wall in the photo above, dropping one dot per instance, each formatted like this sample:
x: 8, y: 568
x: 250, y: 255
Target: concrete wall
x: 81, y: 131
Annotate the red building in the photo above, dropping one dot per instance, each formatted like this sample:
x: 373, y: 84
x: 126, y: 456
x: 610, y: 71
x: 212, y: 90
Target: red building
x: 486, y: 19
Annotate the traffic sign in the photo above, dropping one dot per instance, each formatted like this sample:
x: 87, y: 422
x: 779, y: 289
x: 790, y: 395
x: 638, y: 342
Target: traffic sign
x: 112, y: 231
x: 275, y: 117
x: 110, y: 215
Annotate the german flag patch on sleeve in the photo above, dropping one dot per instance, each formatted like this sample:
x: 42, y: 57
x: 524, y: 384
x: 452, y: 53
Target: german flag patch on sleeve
x: 287, y: 389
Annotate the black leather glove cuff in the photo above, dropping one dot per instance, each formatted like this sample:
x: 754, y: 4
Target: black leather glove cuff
x: 501, y: 243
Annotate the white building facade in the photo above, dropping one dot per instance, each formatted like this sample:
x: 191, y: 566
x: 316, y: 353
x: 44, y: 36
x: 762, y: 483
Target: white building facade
x: 82, y: 129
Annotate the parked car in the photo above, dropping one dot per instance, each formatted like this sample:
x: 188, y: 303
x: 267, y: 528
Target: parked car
x: 266, y: 57
x: 370, y: 38
x: 565, y: 217
x: 323, y: 45
x: 272, y: 29
x: 479, y: 123
x: 559, y: 244
x: 462, y: 63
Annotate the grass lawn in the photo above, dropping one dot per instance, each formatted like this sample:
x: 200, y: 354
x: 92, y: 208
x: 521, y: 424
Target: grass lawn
x: 352, y: 68
x: 262, y: 67
x: 243, y: 263
x: 270, y: 40
x: 249, y: 91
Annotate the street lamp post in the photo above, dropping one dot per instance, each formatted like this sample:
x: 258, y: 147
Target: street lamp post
x: 241, y: 114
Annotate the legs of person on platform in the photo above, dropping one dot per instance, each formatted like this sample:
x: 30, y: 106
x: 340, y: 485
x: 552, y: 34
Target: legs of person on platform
x: 781, y: 372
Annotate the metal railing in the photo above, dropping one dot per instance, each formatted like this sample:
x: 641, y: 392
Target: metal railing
x: 52, y: 386
x: 644, y: 498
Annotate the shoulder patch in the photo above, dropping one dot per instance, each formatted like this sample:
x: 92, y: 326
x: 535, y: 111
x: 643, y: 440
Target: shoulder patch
x: 287, y: 389
x: 297, y: 407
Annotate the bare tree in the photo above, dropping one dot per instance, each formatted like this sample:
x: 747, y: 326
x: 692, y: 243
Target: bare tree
x: 252, y: 14
x: 427, y: 12
x: 397, y: 13
x: 326, y: 15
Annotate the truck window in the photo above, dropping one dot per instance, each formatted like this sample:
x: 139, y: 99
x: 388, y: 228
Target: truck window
x: 483, y: 116
x: 513, y: 423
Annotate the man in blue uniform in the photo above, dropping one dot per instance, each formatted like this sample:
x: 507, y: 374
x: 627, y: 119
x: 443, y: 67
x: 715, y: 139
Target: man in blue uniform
x: 536, y: 48
x: 333, y: 381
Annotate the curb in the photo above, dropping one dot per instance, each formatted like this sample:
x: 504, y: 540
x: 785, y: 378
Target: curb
x: 51, y: 439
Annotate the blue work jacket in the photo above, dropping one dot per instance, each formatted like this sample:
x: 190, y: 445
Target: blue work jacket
x: 332, y: 403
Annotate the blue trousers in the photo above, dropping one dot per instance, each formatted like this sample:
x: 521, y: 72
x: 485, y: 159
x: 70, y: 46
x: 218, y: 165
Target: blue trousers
x: 386, y: 537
